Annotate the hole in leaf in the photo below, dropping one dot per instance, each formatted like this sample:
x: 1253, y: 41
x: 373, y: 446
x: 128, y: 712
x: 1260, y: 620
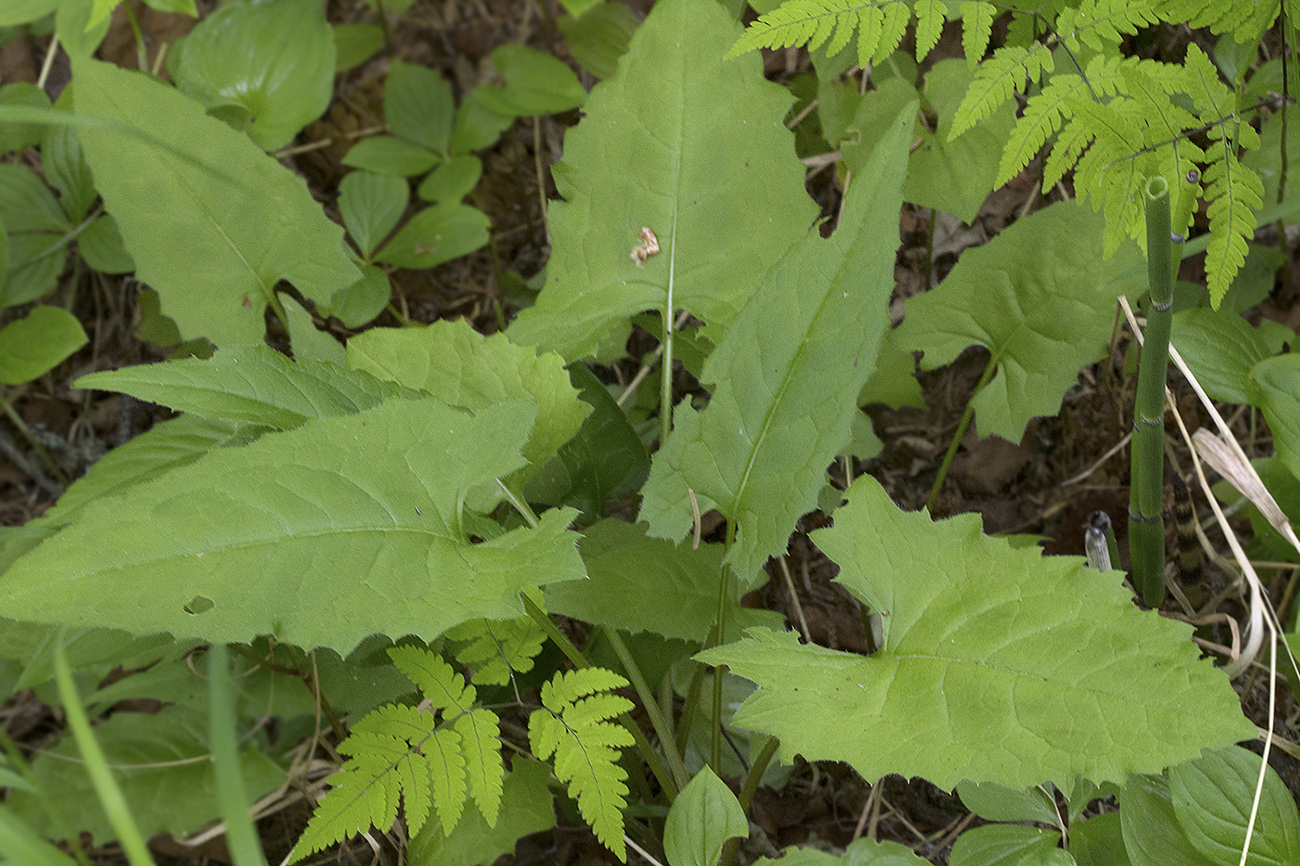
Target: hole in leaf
x: 199, y: 604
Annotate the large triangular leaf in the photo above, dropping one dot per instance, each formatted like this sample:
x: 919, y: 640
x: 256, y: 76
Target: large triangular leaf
x: 1041, y: 297
x: 211, y: 221
x: 692, y: 147
x: 998, y: 665
x: 322, y: 535
x: 787, y: 376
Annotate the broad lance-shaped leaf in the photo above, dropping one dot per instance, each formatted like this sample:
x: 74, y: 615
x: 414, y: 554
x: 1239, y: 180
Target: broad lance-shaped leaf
x: 453, y: 362
x: 321, y: 535
x: 211, y: 221
x: 690, y: 146
x: 1041, y: 297
x: 250, y: 383
x: 787, y: 376
x: 997, y: 665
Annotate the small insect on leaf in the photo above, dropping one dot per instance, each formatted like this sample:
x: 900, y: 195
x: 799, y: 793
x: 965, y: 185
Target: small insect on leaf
x: 648, y: 247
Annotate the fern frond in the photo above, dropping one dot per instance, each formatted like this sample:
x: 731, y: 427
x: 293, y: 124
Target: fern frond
x: 800, y: 22
x: 880, y: 30
x: 1109, y: 171
x: 496, y: 649
x: 573, y: 725
x: 976, y: 28
x: 1096, y: 23
x: 1232, y: 190
x: 1042, y: 117
x: 1245, y: 21
x: 383, y: 768
x: 441, y: 686
x: 929, y: 26
x: 1010, y: 70
x: 412, y: 756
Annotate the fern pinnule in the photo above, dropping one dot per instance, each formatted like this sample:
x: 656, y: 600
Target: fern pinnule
x: 803, y: 22
x: 480, y: 732
x: 441, y: 686
x: 1234, y: 193
x: 929, y: 26
x: 496, y: 649
x: 977, y: 26
x: 1245, y: 21
x: 573, y: 725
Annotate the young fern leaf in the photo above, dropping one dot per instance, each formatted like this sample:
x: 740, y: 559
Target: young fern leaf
x: 1103, y: 23
x: 432, y: 757
x: 495, y: 649
x: 573, y: 725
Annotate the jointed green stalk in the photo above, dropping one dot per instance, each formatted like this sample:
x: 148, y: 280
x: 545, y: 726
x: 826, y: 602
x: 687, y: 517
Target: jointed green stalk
x: 1146, y: 523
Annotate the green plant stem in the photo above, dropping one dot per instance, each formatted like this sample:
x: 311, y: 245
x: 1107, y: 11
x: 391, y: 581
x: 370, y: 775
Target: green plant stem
x: 747, y: 791
x: 720, y: 631
x: 662, y: 729
x: 957, y: 436
x: 1146, y: 521
x: 573, y: 654
x: 666, y: 362
x: 241, y: 837
x: 106, y: 787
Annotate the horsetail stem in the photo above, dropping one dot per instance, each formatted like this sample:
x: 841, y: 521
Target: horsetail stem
x: 1146, y: 523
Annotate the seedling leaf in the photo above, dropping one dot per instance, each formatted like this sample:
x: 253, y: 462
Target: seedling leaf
x: 32, y: 346
x: 971, y: 682
x: 203, y: 193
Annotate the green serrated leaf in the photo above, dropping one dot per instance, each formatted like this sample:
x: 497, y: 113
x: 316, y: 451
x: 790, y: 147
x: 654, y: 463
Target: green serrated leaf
x: 250, y: 383
x: 1274, y: 386
x: 787, y: 373
x: 203, y: 193
x: 352, y: 524
x: 702, y: 818
x: 970, y: 682
x: 1213, y: 799
x: 237, y: 54
x: 675, y: 587
x: 309, y: 342
x: 701, y: 158
x: 456, y: 364
x: 32, y: 346
x: 1041, y: 297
